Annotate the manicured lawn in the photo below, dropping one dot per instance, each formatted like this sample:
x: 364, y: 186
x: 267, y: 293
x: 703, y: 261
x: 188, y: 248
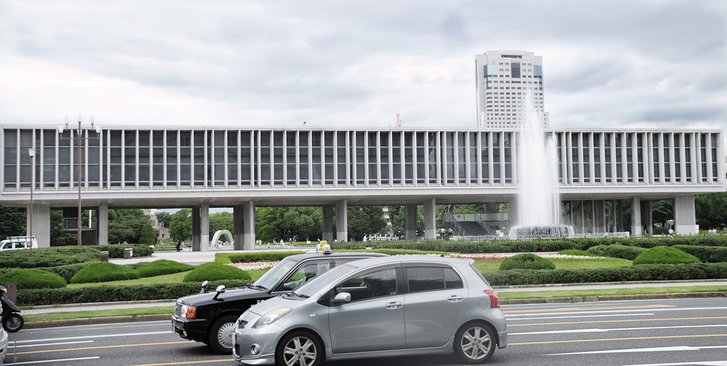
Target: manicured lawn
x: 168, y: 278
x: 561, y: 263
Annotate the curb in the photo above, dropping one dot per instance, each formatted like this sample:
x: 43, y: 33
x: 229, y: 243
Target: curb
x: 99, y: 320
x: 575, y: 299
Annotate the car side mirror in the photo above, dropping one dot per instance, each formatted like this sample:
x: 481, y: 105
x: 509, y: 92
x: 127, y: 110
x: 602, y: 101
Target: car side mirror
x: 220, y: 290
x: 205, y: 284
x: 342, y: 298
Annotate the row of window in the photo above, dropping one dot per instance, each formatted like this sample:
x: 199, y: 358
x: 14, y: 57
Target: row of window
x: 219, y: 159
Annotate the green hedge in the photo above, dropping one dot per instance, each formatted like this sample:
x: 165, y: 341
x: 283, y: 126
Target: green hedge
x: 116, y: 293
x: 161, y: 267
x: 32, y: 278
x: 541, y: 245
x: 706, y: 254
x: 215, y: 271
x: 577, y: 252
x: 616, y: 251
x: 103, y: 272
x: 117, y: 250
x: 253, y: 256
x: 664, y: 255
x: 526, y: 261
x: 47, y: 257
x: 646, y: 272
x: 67, y: 271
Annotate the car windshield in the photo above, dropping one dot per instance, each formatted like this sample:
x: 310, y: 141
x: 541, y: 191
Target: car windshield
x: 272, y: 277
x: 323, y: 280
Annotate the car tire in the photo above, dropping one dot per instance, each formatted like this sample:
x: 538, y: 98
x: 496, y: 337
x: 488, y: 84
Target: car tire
x: 475, y: 342
x: 220, y: 334
x: 299, y: 345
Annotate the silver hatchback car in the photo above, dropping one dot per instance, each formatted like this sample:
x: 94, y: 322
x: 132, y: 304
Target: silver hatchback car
x: 378, y: 307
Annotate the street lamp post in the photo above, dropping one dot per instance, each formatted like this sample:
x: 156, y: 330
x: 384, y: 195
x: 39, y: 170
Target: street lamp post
x: 31, y: 153
x: 79, y: 142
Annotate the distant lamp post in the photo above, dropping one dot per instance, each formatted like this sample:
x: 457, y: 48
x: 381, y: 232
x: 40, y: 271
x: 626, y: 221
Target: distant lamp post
x: 31, y: 153
x: 79, y: 163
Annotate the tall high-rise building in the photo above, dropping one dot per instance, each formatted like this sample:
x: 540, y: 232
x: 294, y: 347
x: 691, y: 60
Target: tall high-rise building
x: 504, y: 81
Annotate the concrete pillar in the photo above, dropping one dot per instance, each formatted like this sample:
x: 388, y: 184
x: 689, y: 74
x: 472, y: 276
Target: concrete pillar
x: 195, y: 230
x: 430, y: 223
x: 238, y: 226
x: 204, y: 227
x: 248, y: 212
x: 636, y: 229
x: 342, y: 221
x: 620, y: 216
x: 411, y: 222
x: 684, y: 216
x: 328, y: 223
x: 41, y: 224
x: 647, y: 218
x: 599, y: 221
x: 103, y: 223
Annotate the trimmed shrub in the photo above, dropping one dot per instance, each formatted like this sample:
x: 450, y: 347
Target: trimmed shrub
x: 161, y: 267
x: 526, y: 261
x: 616, y: 251
x: 215, y: 271
x: 103, y: 272
x: 32, y: 278
x: 67, y: 271
x: 47, y: 257
x: 706, y: 254
x: 665, y: 255
x: 164, y: 291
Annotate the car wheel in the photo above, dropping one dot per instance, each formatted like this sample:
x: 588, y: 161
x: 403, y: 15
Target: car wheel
x: 299, y: 348
x: 475, y: 342
x: 220, y: 334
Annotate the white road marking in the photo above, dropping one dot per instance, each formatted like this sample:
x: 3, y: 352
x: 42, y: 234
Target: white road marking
x: 98, y: 326
x: 635, y: 350
x: 95, y: 336
x: 50, y: 361
x: 615, y: 311
x: 582, y: 316
x: 601, y: 330
x: 50, y: 344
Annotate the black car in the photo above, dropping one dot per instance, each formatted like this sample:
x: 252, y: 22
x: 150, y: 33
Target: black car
x: 210, y: 317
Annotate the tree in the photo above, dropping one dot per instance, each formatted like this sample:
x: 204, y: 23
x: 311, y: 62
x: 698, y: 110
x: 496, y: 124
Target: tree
x: 288, y: 223
x: 180, y: 226
x: 365, y: 220
x: 711, y: 210
x: 221, y: 221
x: 125, y: 225
x: 397, y: 217
x: 164, y: 218
x: 12, y: 221
x: 148, y: 234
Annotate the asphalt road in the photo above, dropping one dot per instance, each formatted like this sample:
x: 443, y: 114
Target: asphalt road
x: 645, y: 332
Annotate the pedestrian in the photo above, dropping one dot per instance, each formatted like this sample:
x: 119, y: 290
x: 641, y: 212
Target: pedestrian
x: 179, y: 245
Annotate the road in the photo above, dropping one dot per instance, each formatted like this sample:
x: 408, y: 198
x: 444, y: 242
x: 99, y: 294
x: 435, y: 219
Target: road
x: 644, y: 332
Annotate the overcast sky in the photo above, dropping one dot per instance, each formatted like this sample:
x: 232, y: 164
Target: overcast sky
x: 356, y: 64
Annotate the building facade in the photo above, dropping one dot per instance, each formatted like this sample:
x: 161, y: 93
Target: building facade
x: 245, y: 168
x: 507, y: 83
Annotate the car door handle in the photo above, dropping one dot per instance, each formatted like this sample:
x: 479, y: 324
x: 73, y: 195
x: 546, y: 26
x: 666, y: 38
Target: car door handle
x: 394, y: 305
x: 455, y: 298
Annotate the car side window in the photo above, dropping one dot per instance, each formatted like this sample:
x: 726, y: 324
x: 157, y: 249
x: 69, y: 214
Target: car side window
x: 370, y: 285
x: 304, y: 274
x: 8, y: 246
x: 432, y: 279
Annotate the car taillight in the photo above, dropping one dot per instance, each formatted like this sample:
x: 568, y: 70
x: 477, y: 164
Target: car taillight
x: 494, y: 299
x: 189, y: 312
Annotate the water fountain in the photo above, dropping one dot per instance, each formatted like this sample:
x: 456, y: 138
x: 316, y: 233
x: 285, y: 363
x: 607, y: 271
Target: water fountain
x: 538, y: 203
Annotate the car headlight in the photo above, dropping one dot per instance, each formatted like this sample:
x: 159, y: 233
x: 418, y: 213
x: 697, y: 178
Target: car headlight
x: 271, y: 317
x: 189, y: 311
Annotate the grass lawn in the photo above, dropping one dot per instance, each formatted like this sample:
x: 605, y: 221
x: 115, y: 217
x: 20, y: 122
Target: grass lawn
x: 99, y: 313
x: 561, y: 263
x: 168, y: 278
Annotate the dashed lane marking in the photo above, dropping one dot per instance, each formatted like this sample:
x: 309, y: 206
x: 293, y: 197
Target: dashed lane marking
x: 100, y: 347
x: 617, y: 321
x: 616, y: 339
